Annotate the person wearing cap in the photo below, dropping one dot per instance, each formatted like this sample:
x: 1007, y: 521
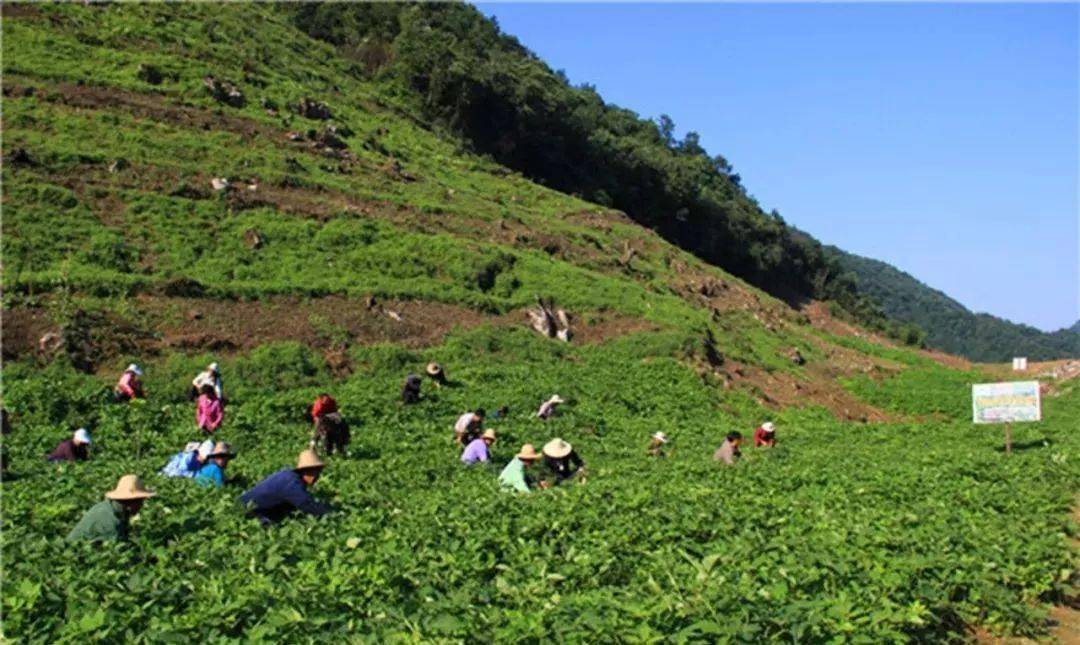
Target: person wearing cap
x: 547, y: 408
x: 210, y: 412
x: 410, y: 390
x: 212, y: 472
x: 435, y: 373
x: 188, y: 462
x: 656, y: 445
x: 74, y: 449
x: 110, y: 519
x: 272, y: 499
x: 728, y: 451
x: 210, y: 376
x: 561, y: 460
x: 130, y: 385
x: 514, y: 476
x: 478, y: 449
x: 765, y: 435
x: 467, y: 427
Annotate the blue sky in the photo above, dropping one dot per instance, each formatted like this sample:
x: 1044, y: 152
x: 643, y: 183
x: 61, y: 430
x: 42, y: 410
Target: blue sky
x: 940, y: 138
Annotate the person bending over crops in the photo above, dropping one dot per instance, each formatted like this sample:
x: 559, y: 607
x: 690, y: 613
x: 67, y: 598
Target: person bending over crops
x: 436, y: 373
x: 333, y: 432
x: 324, y: 404
x: 210, y: 411
x: 478, y: 449
x: 111, y: 518
x: 562, y: 462
x: 77, y: 448
x: 210, y: 376
x: 657, y: 445
x: 189, y: 461
x: 547, y: 408
x: 765, y: 435
x: 728, y: 451
x: 410, y: 391
x: 515, y: 477
x: 130, y: 385
x: 286, y: 491
x: 468, y: 425
x: 212, y: 473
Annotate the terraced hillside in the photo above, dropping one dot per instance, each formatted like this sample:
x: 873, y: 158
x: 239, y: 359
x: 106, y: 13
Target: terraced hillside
x: 187, y: 183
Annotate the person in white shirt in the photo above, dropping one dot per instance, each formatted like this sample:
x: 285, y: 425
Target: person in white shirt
x: 548, y: 407
x: 468, y: 425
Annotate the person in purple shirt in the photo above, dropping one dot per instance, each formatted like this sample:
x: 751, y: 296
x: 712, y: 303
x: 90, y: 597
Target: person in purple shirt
x: 278, y: 495
x: 73, y: 449
x: 477, y: 450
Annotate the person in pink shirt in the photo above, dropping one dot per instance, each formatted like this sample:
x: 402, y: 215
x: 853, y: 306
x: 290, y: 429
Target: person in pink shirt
x: 129, y: 387
x: 210, y: 413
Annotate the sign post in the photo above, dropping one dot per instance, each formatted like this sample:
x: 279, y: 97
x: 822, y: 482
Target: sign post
x: 1007, y: 403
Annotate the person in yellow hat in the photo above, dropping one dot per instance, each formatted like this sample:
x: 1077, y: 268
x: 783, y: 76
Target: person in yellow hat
x: 110, y: 518
x: 514, y: 476
x: 562, y: 461
x: 436, y: 373
x: 275, y: 497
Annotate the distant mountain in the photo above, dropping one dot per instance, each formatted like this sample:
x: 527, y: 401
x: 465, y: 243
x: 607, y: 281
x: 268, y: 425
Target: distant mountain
x: 949, y: 325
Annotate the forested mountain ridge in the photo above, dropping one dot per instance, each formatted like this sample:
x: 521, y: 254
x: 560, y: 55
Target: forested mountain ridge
x: 949, y: 325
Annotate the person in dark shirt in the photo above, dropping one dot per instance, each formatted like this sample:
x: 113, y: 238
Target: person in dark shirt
x: 74, y: 449
x: 275, y: 497
x: 562, y: 462
x: 410, y: 391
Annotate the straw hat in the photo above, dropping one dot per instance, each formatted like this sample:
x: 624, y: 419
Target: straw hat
x: 222, y: 449
x: 528, y: 453
x: 555, y: 398
x: 134, y: 368
x: 82, y: 436
x: 308, y: 459
x: 557, y: 448
x: 661, y: 437
x: 488, y: 434
x: 129, y: 487
x: 768, y: 426
x: 213, y: 367
x: 434, y: 369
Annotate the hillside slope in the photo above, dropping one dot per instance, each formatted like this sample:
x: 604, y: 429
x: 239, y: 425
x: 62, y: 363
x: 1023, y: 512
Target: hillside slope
x: 291, y: 220
x: 949, y: 325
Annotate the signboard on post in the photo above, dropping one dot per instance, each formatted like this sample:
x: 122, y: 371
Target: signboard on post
x: 1020, y: 364
x: 1014, y: 402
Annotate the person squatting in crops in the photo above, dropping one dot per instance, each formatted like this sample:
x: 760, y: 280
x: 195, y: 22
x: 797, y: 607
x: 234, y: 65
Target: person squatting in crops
x: 728, y: 451
x: 212, y: 472
x: 110, y: 518
x: 479, y: 449
x: 189, y: 461
x: 657, y: 445
x: 410, y: 390
x: 468, y: 425
x: 210, y: 376
x: 765, y: 436
x: 437, y: 374
x: 210, y: 412
x: 129, y: 387
x: 547, y: 408
x: 562, y: 462
x: 77, y: 448
x: 515, y: 475
x: 329, y: 427
x: 275, y: 497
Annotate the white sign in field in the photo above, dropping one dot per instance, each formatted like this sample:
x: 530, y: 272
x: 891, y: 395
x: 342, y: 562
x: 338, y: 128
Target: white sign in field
x: 1006, y: 402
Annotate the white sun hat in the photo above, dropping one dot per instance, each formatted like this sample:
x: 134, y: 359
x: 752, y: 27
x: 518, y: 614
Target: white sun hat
x: 661, y: 437
x: 768, y: 426
x: 134, y: 368
x: 82, y: 436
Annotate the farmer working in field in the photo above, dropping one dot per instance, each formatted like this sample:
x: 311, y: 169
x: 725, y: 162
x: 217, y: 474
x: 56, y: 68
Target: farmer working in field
x: 330, y: 427
x: 210, y: 411
x: 728, y: 451
x: 479, y: 448
x: 547, y: 408
x: 562, y: 462
x: 74, y: 449
x: 210, y: 376
x: 110, y: 518
x: 410, y: 391
x: 468, y: 425
x: 765, y: 435
x: 657, y: 445
x: 212, y: 473
x: 130, y: 386
x: 514, y: 476
x: 275, y: 497
x: 436, y: 373
x: 189, y: 461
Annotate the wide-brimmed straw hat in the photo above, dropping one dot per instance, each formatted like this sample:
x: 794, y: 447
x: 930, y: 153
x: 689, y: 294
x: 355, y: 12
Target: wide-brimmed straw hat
x: 661, y: 437
x: 768, y: 426
x: 134, y: 368
x: 528, y: 453
x: 488, y: 434
x: 557, y: 448
x: 129, y: 487
x: 434, y: 369
x: 222, y: 449
x: 82, y: 436
x: 308, y: 459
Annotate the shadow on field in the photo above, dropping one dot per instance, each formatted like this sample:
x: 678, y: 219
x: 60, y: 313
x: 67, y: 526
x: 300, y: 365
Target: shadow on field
x: 1045, y: 442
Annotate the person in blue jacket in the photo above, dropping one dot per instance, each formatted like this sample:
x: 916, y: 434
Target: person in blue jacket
x: 213, y: 472
x: 280, y: 494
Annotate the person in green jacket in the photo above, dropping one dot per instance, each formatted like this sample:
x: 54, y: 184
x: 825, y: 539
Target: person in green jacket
x: 109, y: 519
x: 514, y: 475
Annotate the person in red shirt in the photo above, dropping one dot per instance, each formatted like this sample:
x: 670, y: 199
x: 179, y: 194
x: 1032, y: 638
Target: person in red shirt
x: 130, y: 386
x: 323, y: 405
x: 765, y: 435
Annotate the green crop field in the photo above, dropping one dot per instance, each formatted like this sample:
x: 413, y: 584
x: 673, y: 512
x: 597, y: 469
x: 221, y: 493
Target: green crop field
x: 883, y: 515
